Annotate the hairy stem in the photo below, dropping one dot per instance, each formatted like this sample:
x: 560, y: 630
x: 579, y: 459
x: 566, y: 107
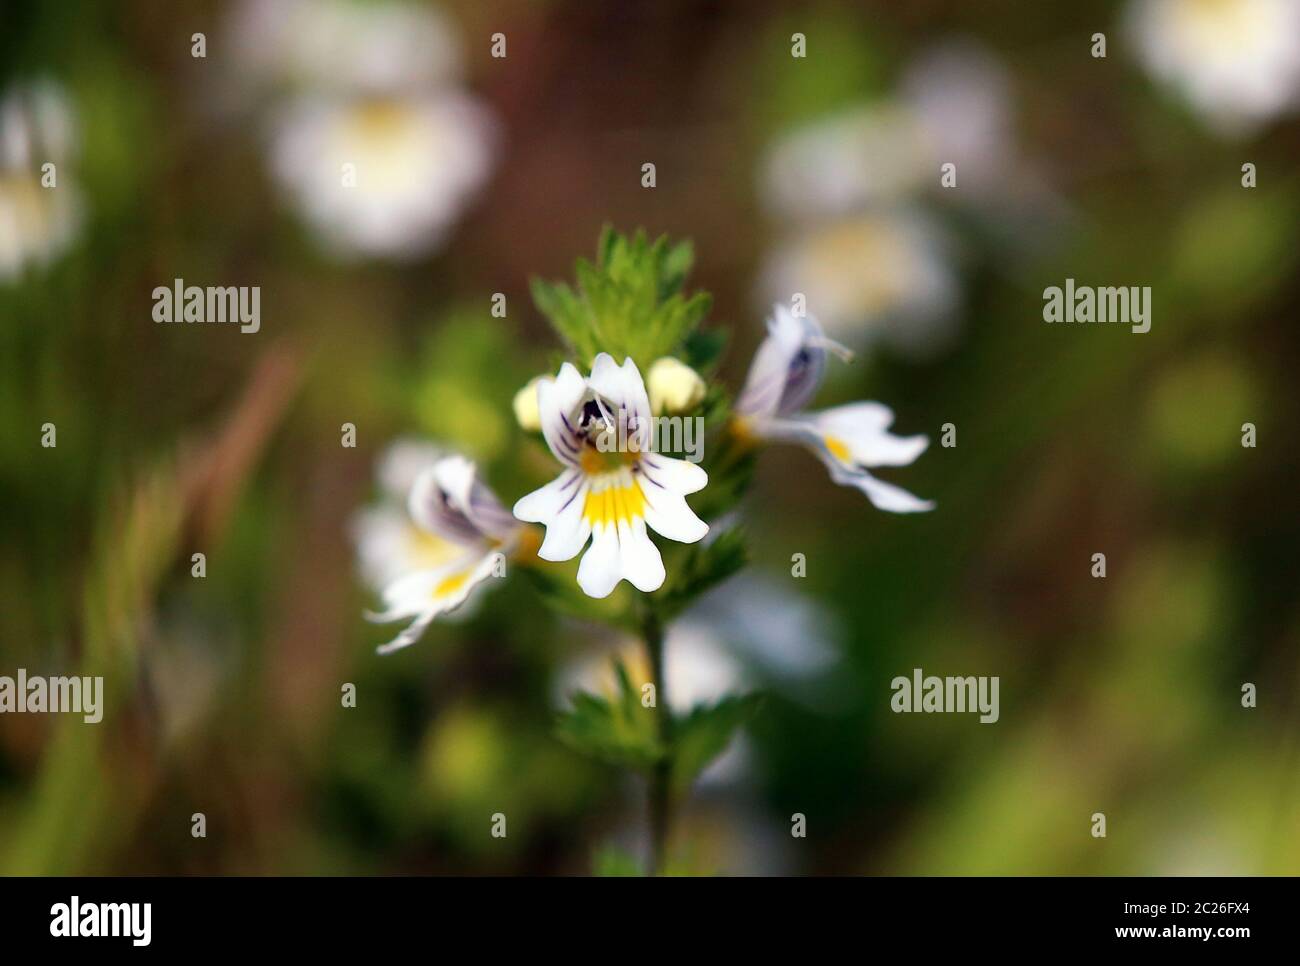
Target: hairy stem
x: 660, y: 790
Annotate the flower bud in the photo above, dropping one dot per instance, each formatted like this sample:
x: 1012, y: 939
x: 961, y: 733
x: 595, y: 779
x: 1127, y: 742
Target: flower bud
x: 674, y: 387
x: 525, y: 406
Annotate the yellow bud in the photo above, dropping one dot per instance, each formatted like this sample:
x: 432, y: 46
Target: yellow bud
x: 525, y: 406
x: 674, y: 387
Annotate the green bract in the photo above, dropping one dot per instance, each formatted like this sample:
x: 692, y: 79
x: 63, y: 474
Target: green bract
x: 629, y: 303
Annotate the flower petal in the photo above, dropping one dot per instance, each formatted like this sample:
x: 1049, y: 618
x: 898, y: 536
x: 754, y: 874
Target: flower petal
x: 884, y: 496
x: 556, y: 400
x: 674, y: 475
x: 624, y: 389
x: 643, y: 567
x: 667, y: 514
x: 602, y: 566
x: 449, y: 499
x: 559, y: 505
x: 389, y: 545
x: 428, y: 593
x: 787, y: 368
x: 858, y: 435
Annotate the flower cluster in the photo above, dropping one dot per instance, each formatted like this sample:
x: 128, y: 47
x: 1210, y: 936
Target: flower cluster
x: 615, y: 488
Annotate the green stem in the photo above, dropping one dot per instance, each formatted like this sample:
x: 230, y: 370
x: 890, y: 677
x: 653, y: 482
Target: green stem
x: 660, y: 783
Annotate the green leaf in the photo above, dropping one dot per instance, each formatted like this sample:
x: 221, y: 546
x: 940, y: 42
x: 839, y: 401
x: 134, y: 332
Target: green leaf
x: 617, y: 729
x: 700, y: 568
x: 703, y: 349
x: 705, y: 733
x: 629, y: 303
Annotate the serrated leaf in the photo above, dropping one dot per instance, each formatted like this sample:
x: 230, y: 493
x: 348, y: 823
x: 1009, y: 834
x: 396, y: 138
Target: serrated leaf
x: 701, y: 568
x: 704, y: 733
x: 616, y: 729
x: 702, y: 349
x: 628, y: 303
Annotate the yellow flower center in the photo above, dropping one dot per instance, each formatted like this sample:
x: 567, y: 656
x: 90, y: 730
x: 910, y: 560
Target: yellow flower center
x: 620, y: 502
x: 428, y: 549
x: 837, y: 448
x: 449, y: 585
x: 595, y: 462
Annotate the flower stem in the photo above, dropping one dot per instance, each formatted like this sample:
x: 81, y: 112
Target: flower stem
x: 660, y: 790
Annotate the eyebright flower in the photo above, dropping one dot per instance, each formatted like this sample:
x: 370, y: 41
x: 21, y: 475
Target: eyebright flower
x: 609, y: 493
x: 389, y: 544
x: 849, y: 439
x: 450, y: 503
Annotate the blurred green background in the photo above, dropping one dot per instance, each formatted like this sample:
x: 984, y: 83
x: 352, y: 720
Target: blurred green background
x: 1119, y: 695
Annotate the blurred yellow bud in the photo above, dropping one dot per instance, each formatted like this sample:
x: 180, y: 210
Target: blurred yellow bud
x: 525, y: 406
x: 674, y: 387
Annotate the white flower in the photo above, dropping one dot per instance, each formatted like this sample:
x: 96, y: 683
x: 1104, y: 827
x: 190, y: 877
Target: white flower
x: 388, y: 542
x: 674, y: 386
x: 953, y: 106
x: 842, y: 162
x: 959, y: 94
x: 1236, y: 61
x: 606, y: 492
x: 877, y: 276
x: 415, y: 162
x: 475, y: 534
x: 342, y: 44
x: 372, y: 136
x: 525, y: 406
x: 850, y: 439
x: 37, y: 223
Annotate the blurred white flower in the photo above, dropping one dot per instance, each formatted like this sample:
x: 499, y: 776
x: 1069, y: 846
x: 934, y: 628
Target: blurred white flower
x: 371, y: 135
x: 449, y: 504
x: 960, y: 97
x: 387, y: 540
x: 878, y: 276
x: 842, y: 162
x: 846, y: 192
x: 953, y: 105
x: 787, y: 636
x: 37, y: 222
x: 1236, y: 61
x: 342, y: 45
x: 415, y: 162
